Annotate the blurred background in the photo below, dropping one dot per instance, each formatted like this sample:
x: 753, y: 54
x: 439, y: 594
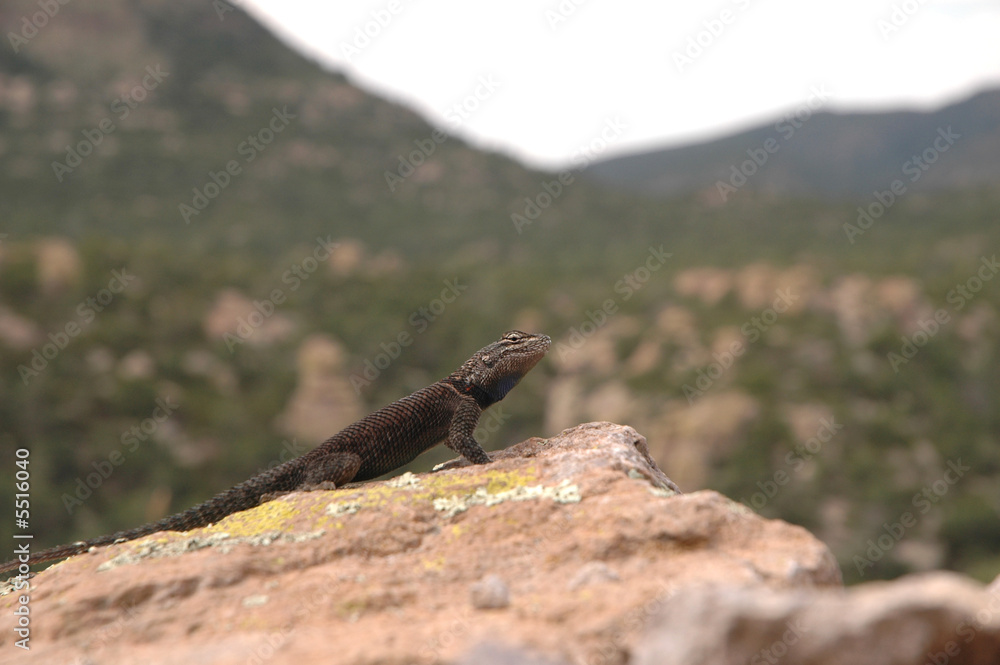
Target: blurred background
x: 764, y: 236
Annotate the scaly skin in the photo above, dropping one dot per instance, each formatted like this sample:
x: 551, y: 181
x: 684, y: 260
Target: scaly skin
x: 446, y: 411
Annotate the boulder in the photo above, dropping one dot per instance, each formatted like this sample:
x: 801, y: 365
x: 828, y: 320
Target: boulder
x: 934, y: 618
x: 558, y: 552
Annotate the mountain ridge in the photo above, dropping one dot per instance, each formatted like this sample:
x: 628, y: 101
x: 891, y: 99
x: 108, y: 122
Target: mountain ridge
x: 223, y: 79
x: 829, y: 154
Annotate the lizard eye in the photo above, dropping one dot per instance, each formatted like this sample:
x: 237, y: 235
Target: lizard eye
x: 513, y: 336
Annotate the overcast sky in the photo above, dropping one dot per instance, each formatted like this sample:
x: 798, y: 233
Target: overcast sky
x: 542, y: 78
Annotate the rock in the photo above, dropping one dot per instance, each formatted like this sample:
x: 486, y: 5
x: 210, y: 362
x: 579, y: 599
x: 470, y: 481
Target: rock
x: 59, y: 265
x: 490, y: 593
x: 707, y: 284
x: 346, y: 257
x: 490, y: 653
x: 234, y: 318
x: 694, y: 438
x: 137, y: 365
x: 324, y: 401
x: 380, y: 572
x: 17, y: 332
x: 928, y: 618
x: 595, y: 572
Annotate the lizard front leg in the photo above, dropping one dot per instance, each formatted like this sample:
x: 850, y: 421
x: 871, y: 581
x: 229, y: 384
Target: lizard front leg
x: 463, y: 426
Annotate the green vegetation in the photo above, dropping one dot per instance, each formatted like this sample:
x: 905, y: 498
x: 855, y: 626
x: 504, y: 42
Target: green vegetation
x: 323, y: 176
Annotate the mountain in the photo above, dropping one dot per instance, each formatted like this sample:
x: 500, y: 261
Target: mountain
x: 840, y: 155
x: 120, y: 117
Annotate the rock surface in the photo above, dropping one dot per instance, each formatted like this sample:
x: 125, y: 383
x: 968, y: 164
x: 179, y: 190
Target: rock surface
x: 569, y: 550
x: 934, y: 618
x: 581, y: 531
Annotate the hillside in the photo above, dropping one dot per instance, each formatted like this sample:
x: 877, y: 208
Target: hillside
x: 118, y: 113
x: 196, y: 349
x: 810, y: 152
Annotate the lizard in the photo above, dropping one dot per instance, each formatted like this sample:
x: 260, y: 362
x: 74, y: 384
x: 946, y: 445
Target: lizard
x: 444, y: 412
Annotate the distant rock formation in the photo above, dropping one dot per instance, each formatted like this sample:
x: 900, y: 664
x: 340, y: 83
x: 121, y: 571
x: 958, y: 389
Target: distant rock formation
x: 59, y: 265
x: 324, y: 401
x: 234, y: 319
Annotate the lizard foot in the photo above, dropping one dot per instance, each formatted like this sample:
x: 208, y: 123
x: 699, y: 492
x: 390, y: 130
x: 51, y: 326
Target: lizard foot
x: 456, y: 463
x: 313, y: 487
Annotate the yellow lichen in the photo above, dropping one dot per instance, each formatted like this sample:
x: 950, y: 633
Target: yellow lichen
x: 271, y: 516
x: 437, y: 563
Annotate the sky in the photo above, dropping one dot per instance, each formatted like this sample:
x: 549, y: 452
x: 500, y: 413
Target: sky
x: 541, y: 80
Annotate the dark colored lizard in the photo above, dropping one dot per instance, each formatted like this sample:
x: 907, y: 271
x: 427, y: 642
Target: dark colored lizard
x: 446, y: 411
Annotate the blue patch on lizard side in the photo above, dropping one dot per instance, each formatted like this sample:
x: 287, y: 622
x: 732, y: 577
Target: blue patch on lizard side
x: 504, y: 386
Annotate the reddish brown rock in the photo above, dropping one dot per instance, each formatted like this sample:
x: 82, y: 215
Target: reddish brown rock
x: 580, y: 531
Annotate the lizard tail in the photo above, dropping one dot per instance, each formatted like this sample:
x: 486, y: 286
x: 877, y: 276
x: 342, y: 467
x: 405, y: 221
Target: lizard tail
x: 241, y: 497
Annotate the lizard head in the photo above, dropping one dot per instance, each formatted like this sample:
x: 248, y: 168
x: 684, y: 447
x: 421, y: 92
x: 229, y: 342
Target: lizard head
x: 497, y: 368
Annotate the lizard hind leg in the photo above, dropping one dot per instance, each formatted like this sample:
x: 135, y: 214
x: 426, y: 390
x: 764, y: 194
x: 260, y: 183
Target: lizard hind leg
x: 327, y: 472
x: 330, y: 471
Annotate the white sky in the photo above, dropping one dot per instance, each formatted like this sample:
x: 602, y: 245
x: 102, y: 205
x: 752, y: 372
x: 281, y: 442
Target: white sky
x: 557, y: 84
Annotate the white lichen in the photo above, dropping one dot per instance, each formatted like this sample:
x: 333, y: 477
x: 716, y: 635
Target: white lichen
x: 405, y: 480
x: 343, y: 508
x: 564, y: 492
x: 157, y: 549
